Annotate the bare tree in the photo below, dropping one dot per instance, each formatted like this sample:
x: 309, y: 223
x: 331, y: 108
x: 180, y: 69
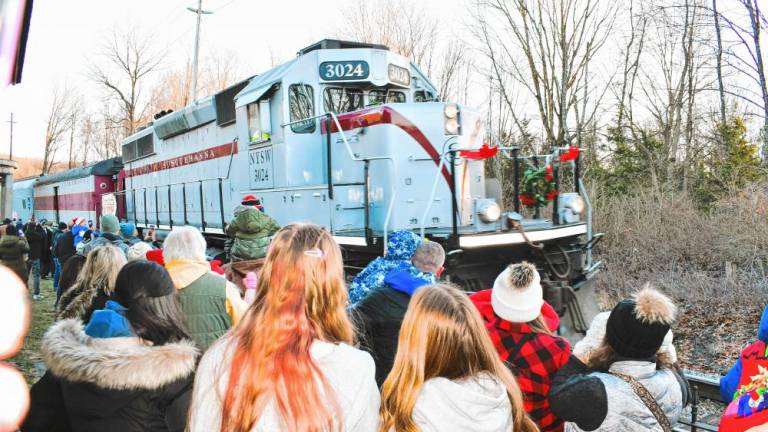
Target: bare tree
x: 89, y: 142
x: 407, y: 29
x: 60, y: 120
x: 756, y: 21
x: 719, y: 65
x: 452, y: 78
x: 750, y: 65
x: 545, y: 47
x: 668, y: 79
x: 631, y: 66
x: 217, y: 72
x: 220, y: 70
x: 172, y: 90
x: 399, y: 24
x: 126, y: 61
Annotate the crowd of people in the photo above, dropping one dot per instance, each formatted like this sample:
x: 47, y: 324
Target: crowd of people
x: 150, y: 339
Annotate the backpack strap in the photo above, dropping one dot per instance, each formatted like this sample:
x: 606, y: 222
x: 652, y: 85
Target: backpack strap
x: 648, y: 401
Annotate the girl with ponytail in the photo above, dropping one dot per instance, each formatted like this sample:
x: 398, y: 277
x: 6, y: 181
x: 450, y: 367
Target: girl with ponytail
x: 289, y: 365
x: 447, y: 374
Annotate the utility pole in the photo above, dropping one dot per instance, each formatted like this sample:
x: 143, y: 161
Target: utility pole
x: 10, y: 153
x: 199, y: 11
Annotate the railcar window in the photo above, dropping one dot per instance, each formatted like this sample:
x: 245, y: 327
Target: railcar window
x: 342, y: 99
x: 145, y: 146
x: 301, y: 105
x: 254, y: 122
x: 139, y: 148
x: 377, y: 97
x: 129, y: 151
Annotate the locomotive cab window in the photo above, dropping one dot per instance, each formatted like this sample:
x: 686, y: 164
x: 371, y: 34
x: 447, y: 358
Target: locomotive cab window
x: 256, y: 117
x: 378, y: 97
x: 301, y: 106
x: 341, y: 99
x: 423, y: 96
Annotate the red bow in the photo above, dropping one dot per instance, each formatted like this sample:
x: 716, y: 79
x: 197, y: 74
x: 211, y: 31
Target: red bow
x: 528, y: 200
x: 216, y: 267
x: 484, y: 152
x: 571, y: 154
x: 156, y: 256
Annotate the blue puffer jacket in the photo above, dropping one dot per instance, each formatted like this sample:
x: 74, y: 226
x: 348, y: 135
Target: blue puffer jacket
x: 78, y: 231
x: 401, y: 246
x: 730, y: 382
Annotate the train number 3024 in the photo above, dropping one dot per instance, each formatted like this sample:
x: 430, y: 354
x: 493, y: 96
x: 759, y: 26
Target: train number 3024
x: 344, y: 70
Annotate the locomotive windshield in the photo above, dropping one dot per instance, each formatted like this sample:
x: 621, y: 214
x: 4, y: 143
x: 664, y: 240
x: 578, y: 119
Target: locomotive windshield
x: 301, y: 106
x: 378, y: 97
x: 342, y: 99
x: 424, y: 96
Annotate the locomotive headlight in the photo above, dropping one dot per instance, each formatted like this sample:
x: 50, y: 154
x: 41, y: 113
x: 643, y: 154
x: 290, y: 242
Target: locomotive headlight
x: 451, y: 111
x: 572, y: 201
x: 452, y: 127
x: 488, y: 211
x: 451, y: 116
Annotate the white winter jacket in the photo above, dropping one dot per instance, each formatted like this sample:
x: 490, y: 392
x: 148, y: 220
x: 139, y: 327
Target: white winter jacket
x: 351, y: 373
x: 597, y: 401
x: 478, y: 404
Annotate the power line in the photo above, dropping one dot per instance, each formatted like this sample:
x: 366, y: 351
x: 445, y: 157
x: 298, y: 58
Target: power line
x: 224, y: 5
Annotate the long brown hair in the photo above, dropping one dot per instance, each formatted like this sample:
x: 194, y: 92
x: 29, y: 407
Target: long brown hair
x: 539, y: 325
x: 300, y: 297
x: 442, y: 336
x: 602, y: 357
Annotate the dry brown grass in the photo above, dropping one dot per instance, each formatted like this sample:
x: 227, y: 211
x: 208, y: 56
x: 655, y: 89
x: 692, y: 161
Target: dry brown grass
x: 663, y: 238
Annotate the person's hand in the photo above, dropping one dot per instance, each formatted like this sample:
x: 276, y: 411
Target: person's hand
x: 14, y: 320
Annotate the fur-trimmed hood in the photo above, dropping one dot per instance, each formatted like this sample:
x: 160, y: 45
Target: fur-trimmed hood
x: 122, y: 363
x: 77, y: 301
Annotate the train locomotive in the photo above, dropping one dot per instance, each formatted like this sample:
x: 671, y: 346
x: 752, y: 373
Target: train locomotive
x: 352, y: 137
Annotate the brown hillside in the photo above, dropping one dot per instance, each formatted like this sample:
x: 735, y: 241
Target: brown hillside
x: 31, y: 167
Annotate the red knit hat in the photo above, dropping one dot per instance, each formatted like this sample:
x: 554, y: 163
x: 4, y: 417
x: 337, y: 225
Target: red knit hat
x: 156, y: 256
x: 252, y: 201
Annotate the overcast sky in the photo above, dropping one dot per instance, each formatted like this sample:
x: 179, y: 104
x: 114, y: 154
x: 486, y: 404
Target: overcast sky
x: 65, y: 35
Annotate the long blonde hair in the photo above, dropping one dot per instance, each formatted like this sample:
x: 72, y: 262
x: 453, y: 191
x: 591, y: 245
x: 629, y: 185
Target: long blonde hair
x: 300, y: 297
x: 99, y: 273
x: 101, y: 267
x: 442, y: 336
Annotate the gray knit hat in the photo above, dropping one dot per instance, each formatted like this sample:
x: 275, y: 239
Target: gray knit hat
x: 109, y: 224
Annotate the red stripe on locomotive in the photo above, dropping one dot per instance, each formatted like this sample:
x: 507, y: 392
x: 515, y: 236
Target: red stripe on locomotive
x: 387, y: 115
x: 184, y: 160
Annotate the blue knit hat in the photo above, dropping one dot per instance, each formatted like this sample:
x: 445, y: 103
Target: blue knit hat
x: 109, y: 322
x: 126, y: 229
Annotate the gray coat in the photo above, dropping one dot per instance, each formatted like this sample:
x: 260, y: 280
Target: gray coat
x: 600, y: 401
x: 105, y: 239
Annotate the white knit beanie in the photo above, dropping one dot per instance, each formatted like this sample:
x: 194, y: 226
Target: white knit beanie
x: 517, y: 295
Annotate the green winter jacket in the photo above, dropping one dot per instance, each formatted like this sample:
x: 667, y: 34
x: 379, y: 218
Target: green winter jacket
x: 251, y: 230
x: 12, y: 251
x: 204, y: 303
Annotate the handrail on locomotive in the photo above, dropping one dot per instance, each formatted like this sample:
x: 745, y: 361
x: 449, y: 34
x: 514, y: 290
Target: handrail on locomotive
x: 355, y: 157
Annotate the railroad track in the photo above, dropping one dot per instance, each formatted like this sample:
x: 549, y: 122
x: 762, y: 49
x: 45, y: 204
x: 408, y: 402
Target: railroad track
x: 702, y: 387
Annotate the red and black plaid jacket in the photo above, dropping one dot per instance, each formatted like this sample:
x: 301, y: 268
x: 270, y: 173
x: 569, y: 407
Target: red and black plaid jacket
x: 534, y: 358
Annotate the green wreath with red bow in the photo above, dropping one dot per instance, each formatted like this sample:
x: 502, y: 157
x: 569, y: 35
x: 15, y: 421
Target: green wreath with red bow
x: 538, y: 188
